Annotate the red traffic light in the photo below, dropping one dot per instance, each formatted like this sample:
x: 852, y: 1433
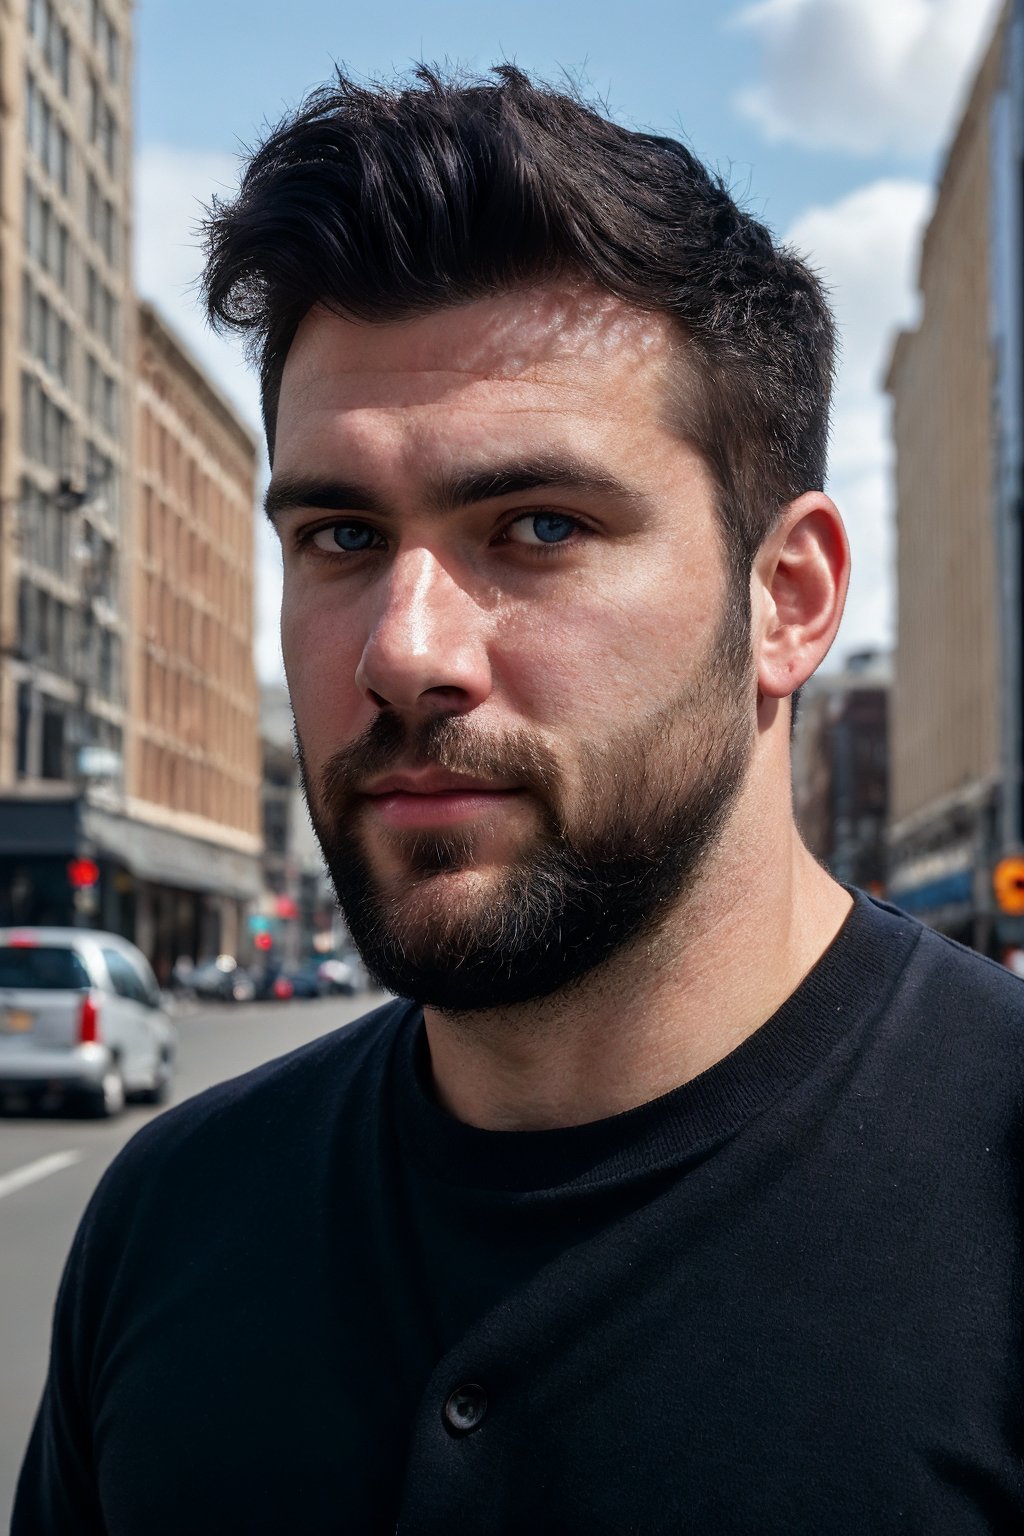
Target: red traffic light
x: 83, y: 872
x: 263, y: 941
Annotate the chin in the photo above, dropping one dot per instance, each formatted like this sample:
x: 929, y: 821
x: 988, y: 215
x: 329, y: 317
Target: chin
x: 444, y: 896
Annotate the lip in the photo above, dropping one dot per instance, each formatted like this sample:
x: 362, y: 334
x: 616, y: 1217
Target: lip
x: 434, y: 799
x: 434, y: 781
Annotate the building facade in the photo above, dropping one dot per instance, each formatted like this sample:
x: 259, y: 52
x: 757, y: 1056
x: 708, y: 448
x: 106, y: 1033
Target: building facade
x: 192, y: 766
x: 955, y: 734
x: 65, y: 364
x: 129, y: 736
x: 65, y: 444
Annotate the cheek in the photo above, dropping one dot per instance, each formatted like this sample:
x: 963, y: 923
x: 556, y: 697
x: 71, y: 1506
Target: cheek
x: 321, y: 653
x: 593, y: 659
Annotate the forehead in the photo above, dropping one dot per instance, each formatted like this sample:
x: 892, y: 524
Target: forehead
x: 552, y: 351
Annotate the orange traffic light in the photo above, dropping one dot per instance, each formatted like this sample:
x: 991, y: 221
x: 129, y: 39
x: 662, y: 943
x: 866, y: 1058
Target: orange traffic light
x: 1008, y: 885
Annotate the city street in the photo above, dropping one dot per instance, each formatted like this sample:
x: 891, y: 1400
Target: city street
x: 49, y: 1167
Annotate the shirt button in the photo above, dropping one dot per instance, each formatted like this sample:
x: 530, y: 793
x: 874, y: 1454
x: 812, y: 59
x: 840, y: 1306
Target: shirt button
x: 465, y: 1408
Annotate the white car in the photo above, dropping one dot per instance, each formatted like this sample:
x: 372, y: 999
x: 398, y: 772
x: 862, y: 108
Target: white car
x: 81, y: 1020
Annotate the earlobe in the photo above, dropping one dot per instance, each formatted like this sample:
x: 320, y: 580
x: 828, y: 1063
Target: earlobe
x: 799, y: 583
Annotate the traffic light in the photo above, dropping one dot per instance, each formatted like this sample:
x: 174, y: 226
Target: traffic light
x: 83, y: 873
x: 263, y: 941
x: 1008, y: 884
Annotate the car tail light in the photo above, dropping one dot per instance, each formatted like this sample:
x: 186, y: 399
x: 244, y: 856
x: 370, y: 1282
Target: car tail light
x: 283, y: 988
x: 89, y: 1021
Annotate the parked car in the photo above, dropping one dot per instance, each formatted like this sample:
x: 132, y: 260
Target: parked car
x: 222, y: 980
x: 281, y: 981
x: 343, y: 973
x: 81, y: 1020
x: 306, y: 980
x: 270, y: 983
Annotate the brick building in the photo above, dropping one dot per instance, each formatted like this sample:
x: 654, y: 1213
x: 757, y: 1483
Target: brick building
x: 192, y: 761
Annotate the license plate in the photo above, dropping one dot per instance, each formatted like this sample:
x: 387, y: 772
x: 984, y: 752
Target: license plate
x: 15, y: 1021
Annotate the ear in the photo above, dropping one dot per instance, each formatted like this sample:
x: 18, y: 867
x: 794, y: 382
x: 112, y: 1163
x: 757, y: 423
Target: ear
x: 798, y: 589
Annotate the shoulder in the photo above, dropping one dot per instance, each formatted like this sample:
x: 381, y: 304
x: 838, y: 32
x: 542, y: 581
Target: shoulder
x: 281, y: 1110
x: 948, y: 975
x: 959, y: 1014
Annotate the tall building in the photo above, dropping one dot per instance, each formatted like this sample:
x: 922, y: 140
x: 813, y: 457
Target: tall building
x: 192, y: 767
x: 65, y: 363
x: 129, y: 734
x: 954, y: 381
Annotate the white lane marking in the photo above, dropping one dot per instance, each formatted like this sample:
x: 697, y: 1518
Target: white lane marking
x: 40, y: 1169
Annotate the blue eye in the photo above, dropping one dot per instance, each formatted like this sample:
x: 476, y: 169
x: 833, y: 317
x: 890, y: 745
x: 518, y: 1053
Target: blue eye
x: 542, y: 528
x: 350, y: 537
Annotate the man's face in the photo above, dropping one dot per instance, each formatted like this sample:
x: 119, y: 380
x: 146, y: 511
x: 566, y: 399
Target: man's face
x: 522, y: 688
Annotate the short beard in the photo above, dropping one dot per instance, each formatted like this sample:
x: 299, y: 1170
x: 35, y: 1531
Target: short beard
x: 597, y: 875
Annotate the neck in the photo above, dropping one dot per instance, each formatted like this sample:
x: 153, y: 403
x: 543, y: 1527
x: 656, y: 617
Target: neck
x: 658, y: 1014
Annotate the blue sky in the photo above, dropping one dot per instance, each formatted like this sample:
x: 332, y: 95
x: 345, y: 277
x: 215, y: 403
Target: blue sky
x: 828, y: 118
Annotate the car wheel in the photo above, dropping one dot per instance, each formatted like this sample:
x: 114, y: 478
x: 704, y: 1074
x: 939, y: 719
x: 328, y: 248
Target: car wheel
x: 160, y: 1092
x: 108, y: 1100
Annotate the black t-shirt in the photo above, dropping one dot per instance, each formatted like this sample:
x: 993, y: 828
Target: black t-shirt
x: 784, y: 1298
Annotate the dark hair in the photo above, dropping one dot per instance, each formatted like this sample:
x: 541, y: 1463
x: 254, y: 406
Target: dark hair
x: 381, y: 203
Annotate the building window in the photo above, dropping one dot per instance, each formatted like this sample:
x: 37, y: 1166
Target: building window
x: 101, y: 472
x: 101, y: 396
x: 54, y: 755
x: 103, y: 129
x: 53, y: 40
x: 44, y: 628
x: 45, y: 334
x: 45, y: 428
x: 45, y: 529
x: 105, y: 40
x: 101, y: 220
x: 46, y: 237
x: 109, y: 678
x: 31, y: 438
x: 27, y: 619
x: 46, y: 136
x: 24, y: 730
x: 102, y: 314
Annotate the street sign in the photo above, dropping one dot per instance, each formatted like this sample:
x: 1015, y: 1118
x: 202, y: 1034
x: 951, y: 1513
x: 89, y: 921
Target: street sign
x: 99, y: 763
x: 1008, y: 885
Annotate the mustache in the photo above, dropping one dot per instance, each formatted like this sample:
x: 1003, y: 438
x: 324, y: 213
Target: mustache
x: 438, y: 741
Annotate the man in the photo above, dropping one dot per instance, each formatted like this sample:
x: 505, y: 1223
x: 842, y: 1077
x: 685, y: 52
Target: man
x: 684, y: 1193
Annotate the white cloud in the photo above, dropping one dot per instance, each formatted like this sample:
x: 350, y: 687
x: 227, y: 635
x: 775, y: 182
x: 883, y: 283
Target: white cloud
x: 172, y: 186
x: 863, y: 75
x: 865, y: 246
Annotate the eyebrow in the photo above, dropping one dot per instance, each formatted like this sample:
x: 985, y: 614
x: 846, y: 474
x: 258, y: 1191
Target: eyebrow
x: 285, y: 493
x: 464, y: 488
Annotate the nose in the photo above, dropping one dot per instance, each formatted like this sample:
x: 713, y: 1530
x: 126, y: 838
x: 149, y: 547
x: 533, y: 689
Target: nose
x: 427, y: 647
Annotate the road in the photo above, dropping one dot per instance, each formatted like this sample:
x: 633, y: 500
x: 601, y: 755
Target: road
x: 49, y: 1166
